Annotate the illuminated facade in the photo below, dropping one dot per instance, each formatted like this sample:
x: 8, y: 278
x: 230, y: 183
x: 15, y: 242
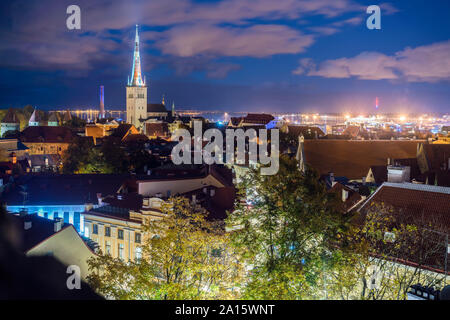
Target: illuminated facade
x: 71, y: 214
x: 118, y: 231
x: 136, y: 90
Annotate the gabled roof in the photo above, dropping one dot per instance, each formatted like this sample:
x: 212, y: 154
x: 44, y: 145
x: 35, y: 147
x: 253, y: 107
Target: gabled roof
x: 156, y: 107
x: 123, y: 130
x: 11, y: 117
x: 380, y: 173
x: 354, y: 131
x: 235, y: 121
x: 47, y: 134
x: 158, y: 129
x: 67, y: 116
x: 258, y: 118
x: 305, y: 131
x: 414, y: 201
x: 438, y: 155
x: 352, y: 158
x: 136, y: 137
x: 353, y: 197
x: 53, y: 117
x: 41, y: 229
x: 35, y: 117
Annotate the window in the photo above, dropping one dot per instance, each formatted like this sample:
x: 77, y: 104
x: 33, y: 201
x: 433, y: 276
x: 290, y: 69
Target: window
x: 107, y: 232
x: 138, y: 253
x: 108, y: 247
x: 137, y: 237
x: 120, y: 234
x: 94, y: 229
x: 120, y: 251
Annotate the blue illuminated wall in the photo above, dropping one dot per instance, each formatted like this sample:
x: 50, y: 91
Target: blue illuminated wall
x: 70, y: 213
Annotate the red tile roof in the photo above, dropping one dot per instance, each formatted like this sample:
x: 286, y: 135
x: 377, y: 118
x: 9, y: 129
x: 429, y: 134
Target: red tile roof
x: 352, y: 199
x: 305, y: 131
x: 158, y: 129
x: 11, y: 117
x: 258, y: 118
x: 47, y: 134
x: 415, y: 202
x: 352, y: 158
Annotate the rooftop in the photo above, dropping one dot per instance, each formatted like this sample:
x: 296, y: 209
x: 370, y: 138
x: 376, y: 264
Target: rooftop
x: 352, y: 158
x: 62, y: 189
x: 41, y: 229
x: 47, y: 134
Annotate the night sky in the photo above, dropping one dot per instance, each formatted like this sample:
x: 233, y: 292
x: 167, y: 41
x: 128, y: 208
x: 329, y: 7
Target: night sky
x: 231, y: 55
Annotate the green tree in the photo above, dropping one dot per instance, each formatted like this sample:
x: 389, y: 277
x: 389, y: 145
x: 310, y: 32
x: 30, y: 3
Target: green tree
x: 384, y: 254
x: 83, y: 157
x: 76, y: 154
x: 285, y: 226
x: 75, y: 123
x: 184, y: 257
x: 140, y: 159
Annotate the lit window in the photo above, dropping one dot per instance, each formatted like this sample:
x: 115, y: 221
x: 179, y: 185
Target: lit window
x: 137, y: 238
x: 108, y: 247
x: 138, y: 253
x: 120, y: 251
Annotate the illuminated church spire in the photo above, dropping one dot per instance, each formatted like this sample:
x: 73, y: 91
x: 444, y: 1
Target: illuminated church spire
x: 136, y: 75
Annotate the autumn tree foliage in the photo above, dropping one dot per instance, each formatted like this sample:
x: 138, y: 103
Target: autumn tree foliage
x: 184, y: 257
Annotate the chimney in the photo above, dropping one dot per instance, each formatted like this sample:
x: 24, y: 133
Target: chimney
x: 344, y: 195
x: 364, y: 181
x: 99, y: 198
x: 388, y: 161
x: 57, y: 223
x: 212, y: 192
x: 194, y: 199
x: 27, y: 224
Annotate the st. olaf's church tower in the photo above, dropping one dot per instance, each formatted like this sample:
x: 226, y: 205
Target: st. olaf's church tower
x: 136, y: 90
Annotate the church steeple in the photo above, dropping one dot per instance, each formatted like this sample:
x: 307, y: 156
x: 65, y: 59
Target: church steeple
x: 136, y: 75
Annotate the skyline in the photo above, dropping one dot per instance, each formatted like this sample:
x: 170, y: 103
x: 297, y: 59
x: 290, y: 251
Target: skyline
x: 214, y: 55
